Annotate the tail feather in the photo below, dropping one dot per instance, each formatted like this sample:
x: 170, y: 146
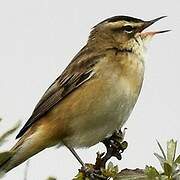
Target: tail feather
x: 32, y: 142
x: 23, y: 149
x: 4, y: 158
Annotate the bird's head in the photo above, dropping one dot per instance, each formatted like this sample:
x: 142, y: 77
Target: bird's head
x: 122, y: 32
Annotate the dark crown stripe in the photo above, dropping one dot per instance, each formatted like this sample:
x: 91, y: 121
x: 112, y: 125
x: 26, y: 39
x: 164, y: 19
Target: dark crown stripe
x: 122, y: 18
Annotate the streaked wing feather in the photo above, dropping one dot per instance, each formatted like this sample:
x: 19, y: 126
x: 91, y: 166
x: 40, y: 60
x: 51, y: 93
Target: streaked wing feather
x: 78, y: 72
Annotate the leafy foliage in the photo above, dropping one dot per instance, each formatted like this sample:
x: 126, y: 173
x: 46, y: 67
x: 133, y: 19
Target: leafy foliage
x: 169, y: 162
x: 108, y: 173
x: 5, y: 135
x: 51, y: 178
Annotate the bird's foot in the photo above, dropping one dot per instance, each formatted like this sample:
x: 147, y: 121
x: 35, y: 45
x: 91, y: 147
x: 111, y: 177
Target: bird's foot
x: 115, y: 146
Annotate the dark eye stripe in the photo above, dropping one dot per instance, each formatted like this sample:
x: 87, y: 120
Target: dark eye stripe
x: 127, y: 28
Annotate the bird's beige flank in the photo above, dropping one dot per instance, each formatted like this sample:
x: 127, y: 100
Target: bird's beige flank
x: 95, y: 94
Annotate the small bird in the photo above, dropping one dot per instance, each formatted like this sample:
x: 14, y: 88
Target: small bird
x: 94, y: 95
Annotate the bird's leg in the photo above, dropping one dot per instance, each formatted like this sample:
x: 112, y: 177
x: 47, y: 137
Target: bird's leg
x: 114, y: 146
x: 75, y: 154
x: 88, y: 171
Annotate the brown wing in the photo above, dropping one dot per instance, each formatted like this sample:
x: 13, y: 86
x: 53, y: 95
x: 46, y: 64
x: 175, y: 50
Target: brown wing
x: 77, y: 72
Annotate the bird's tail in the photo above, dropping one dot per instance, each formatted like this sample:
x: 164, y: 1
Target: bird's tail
x: 23, y: 149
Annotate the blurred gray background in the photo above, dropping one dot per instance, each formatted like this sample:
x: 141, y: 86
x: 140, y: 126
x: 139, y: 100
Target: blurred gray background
x: 38, y: 38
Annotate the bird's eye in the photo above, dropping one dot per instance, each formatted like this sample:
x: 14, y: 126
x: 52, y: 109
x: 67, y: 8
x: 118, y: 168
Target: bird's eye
x: 128, y: 29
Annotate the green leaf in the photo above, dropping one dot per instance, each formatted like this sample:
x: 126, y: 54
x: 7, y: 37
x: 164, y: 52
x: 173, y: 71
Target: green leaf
x: 161, y: 159
x: 110, y: 165
x: 151, y: 172
x: 171, y: 151
x: 51, y: 178
x: 177, y: 160
x: 167, y: 169
x: 9, y: 132
x: 162, y: 151
x: 110, y: 171
x: 79, y: 176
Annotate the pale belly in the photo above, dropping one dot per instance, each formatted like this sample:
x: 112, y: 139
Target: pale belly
x: 100, y: 112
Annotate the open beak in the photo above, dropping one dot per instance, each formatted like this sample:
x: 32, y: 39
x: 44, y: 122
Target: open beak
x: 147, y: 36
x: 149, y: 23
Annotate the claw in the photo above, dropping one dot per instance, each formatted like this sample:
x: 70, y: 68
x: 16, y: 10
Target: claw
x: 115, y: 146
